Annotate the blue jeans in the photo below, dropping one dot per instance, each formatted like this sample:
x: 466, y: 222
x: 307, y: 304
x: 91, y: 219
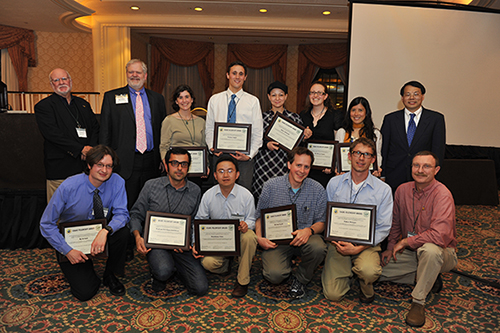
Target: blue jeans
x: 164, y: 263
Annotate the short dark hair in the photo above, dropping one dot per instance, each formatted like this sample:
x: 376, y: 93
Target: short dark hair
x: 415, y: 84
x: 300, y: 151
x: 177, y: 93
x: 227, y: 158
x: 427, y: 153
x: 97, y: 153
x: 177, y: 151
x: 365, y: 142
x: 237, y: 63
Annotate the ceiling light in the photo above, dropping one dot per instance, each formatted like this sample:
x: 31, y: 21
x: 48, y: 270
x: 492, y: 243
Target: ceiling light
x: 198, y: 9
x: 326, y: 12
x: 263, y: 10
x: 134, y: 8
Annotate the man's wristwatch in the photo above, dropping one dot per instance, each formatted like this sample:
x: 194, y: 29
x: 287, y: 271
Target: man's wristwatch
x: 109, y: 229
x: 312, y: 231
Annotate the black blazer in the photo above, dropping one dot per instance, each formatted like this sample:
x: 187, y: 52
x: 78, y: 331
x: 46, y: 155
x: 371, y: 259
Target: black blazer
x: 397, y: 155
x: 118, y: 127
x: 62, y: 146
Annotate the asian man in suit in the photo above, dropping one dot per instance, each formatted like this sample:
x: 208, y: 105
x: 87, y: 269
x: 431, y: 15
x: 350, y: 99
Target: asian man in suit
x: 131, y: 119
x: 408, y: 131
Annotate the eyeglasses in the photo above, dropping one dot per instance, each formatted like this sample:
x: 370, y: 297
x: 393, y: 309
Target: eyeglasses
x: 222, y: 171
x: 319, y: 93
x: 107, y: 166
x: 425, y: 166
x: 358, y: 154
x: 415, y: 94
x: 175, y: 164
x: 61, y: 79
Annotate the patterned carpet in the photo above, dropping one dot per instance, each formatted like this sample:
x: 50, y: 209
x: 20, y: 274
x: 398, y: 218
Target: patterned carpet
x: 34, y: 297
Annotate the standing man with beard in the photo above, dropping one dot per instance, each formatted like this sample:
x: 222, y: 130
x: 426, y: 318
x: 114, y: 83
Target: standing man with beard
x: 131, y: 119
x: 69, y: 127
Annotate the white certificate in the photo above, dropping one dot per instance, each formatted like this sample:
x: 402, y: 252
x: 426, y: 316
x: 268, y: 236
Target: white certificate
x: 279, y: 225
x: 324, y: 153
x: 232, y: 138
x: 167, y: 230
x: 81, y: 237
x: 344, y: 159
x: 197, y: 161
x: 217, y: 237
x: 350, y: 223
x: 285, y: 132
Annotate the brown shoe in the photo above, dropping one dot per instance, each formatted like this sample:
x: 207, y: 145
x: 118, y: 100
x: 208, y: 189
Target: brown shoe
x: 239, y: 290
x: 416, y: 315
x: 364, y: 299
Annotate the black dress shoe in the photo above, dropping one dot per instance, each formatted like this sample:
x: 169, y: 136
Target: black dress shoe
x: 438, y: 285
x: 239, y: 290
x: 115, y: 286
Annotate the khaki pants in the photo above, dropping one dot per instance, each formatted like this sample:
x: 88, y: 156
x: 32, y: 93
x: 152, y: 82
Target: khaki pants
x: 427, y: 262
x: 339, y: 270
x: 219, y: 265
x: 52, y: 186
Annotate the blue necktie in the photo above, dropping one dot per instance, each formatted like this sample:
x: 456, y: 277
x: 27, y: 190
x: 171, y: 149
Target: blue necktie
x: 231, y: 112
x: 412, y: 127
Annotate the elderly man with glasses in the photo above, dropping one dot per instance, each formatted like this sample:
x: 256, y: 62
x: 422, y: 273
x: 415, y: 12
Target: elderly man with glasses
x: 343, y: 259
x: 176, y: 195
x: 69, y: 128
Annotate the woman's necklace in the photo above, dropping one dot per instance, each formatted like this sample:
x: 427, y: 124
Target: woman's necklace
x: 186, y: 122
x: 319, y: 114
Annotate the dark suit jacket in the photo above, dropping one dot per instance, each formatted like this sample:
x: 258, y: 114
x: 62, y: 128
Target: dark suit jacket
x: 397, y: 155
x: 118, y: 127
x: 62, y: 146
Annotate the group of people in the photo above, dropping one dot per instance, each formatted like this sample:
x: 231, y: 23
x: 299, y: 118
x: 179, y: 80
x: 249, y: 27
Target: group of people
x: 122, y: 182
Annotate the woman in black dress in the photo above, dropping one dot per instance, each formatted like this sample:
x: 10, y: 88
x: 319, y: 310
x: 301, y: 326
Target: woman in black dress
x: 321, y: 121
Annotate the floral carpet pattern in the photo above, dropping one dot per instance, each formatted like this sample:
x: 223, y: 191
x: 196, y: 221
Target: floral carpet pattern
x: 34, y: 297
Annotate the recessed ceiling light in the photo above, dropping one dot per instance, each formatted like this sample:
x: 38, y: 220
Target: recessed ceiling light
x: 198, y: 9
x: 326, y: 12
x: 263, y: 10
x: 134, y: 8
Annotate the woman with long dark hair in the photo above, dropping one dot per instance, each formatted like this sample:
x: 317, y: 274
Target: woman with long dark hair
x: 358, y: 123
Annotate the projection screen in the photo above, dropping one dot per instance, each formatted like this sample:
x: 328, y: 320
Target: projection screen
x: 454, y: 53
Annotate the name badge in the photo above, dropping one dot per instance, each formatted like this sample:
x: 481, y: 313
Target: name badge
x: 411, y: 234
x: 82, y: 132
x: 104, y: 210
x: 121, y: 99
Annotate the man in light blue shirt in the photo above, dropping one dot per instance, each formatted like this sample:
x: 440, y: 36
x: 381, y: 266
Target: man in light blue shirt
x: 74, y: 201
x: 228, y: 200
x: 358, y: 186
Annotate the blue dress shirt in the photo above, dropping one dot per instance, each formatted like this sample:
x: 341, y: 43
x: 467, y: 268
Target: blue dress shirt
x: 73, y: 201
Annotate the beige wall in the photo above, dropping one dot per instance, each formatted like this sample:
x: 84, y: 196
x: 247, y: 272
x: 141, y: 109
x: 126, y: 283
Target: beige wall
x: 71, y: 51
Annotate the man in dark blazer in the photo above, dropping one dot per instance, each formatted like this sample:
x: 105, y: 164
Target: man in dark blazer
x: 121, y: 130
x: 401, y: 139
x: 69, y: 127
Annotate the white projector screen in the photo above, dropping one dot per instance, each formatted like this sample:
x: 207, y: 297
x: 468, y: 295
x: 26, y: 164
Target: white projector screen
x: 454, y: 53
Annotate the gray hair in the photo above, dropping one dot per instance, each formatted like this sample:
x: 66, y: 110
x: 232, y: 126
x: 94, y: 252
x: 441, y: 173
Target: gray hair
x: 133, y: 61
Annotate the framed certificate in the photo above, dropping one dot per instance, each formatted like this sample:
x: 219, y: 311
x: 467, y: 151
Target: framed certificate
x: 353, y: 223
x: 324, y: 153
x: 167, y: 231
x: 230, y: 138
x: 278, y: 223
x: 344, y: 165
x: 284, y: 131
x: 217, y: 237
x: 80, y: 235
x: 198, y: 165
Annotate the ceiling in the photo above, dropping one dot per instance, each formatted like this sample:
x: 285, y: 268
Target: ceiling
x: 221, y: 21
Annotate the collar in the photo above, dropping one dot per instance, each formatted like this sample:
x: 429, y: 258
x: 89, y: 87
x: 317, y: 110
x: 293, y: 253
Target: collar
x: 367, y: 182
x: 290, y: 188
x: 167, y: 184
x: 426, y: 191
x: 132, y: 91
x: 91, y: 187
x: 416, y: 113
x: 238, y: 94
x: 234, y: 191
